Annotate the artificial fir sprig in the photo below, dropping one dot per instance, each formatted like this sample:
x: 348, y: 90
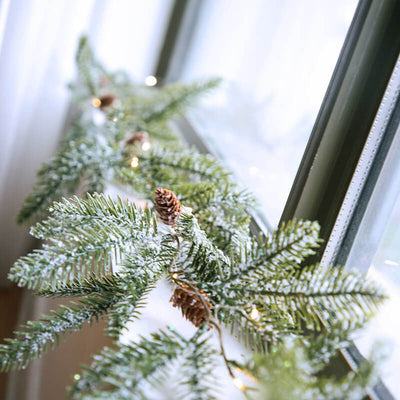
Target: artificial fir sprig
x: 85, y: 236
x: 132, y: 294
x: 92, y: 154
x: 171, y: 101
x: 125, y: 372
x: 98, y: 227
x: 110, y: 254
x: 82, y: 162
x: 35, y: 337
x: 291, y: 371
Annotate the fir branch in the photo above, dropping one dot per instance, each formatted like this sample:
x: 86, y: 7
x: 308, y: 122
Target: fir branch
x: 205, y: 194
x: 85, y: 236
x: 317, y: 295
x: 92, y: 285
x: 259, y: 334
x: 172, y: 100
x: 289, y: 373
x: 162, y: 167
x: 131, y: 294
x: 276, y: 255
x: 62, y: 175
x: 127, y: 308
x: 121, y: 373
x: 37, y: 336
x: 162, y: 134
x: 198, y: 370
x: 262, y: 291
x: 89, y: 68
x: 223, y: 212
x: 115, y: 295
x: 95, y: 208
x: 290, y: 244
x: 204, y: 258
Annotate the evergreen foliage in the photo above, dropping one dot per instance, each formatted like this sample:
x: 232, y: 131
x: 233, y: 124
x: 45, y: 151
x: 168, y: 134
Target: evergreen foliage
x: 92, y: 154
x: 35, y: 337
x: 123, y: 373
x: 110, y: 254
x: 82, y: 161
x: 293, y: 372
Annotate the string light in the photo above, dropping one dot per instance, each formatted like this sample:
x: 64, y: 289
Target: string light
x: 239, y: 383
x: 77, y: 377
x: 175, y: 276
x: 134, y: 162
x: 96, y: 102
x: 150, y: 80
x: 254, y: 313
x: 146, y: 146
x: 115, y: 119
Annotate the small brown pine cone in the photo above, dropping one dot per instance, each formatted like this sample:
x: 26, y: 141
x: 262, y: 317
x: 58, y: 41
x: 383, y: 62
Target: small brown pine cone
x: 138, y: 137
x: 191, y: 306
x: 107, y: 100
x: 167, y: 205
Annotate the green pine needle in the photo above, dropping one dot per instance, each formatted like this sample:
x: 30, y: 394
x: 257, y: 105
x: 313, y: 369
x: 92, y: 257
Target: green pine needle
x: 260, y: 287
x: 36, y: 337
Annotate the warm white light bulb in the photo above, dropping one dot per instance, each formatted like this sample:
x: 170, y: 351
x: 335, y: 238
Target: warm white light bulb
x: 134, y: 162
x: 146, y: 146
x: 254, y: 314
x: 150, y: 80
x: 239, y: 383
x: 96, y: 102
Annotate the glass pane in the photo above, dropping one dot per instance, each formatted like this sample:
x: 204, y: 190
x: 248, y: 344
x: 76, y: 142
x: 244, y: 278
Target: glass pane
x: 276, y: 59
x: 377, y: 250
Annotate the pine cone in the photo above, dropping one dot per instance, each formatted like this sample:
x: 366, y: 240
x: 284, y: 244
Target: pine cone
x: 167, y: 205
x: 192, y: 307
x: 138, y: 137
x: 106, y: 100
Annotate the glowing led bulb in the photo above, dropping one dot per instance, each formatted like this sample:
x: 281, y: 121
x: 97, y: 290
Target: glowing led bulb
x: 146, y: 146
x: 77, y: 377
x: 239, y: 383
x: 150, y: 80
x: 254, y: 313
x: 175, y: 276
x: 96, y: 102
x: 115, y: 119
x: 134, y: 162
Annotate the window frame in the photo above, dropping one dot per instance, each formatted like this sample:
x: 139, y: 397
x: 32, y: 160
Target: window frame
x: 341, y: 129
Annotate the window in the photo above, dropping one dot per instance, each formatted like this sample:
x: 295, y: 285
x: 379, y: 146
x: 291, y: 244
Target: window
x: 276, y: 59
x: 376, y: 248
x: 370, y: 233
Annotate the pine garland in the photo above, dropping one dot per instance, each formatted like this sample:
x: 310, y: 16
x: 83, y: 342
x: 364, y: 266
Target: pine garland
x: 259, y: 287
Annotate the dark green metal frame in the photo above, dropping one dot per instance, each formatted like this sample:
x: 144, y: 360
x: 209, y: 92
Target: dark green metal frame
x: 346, y: 115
